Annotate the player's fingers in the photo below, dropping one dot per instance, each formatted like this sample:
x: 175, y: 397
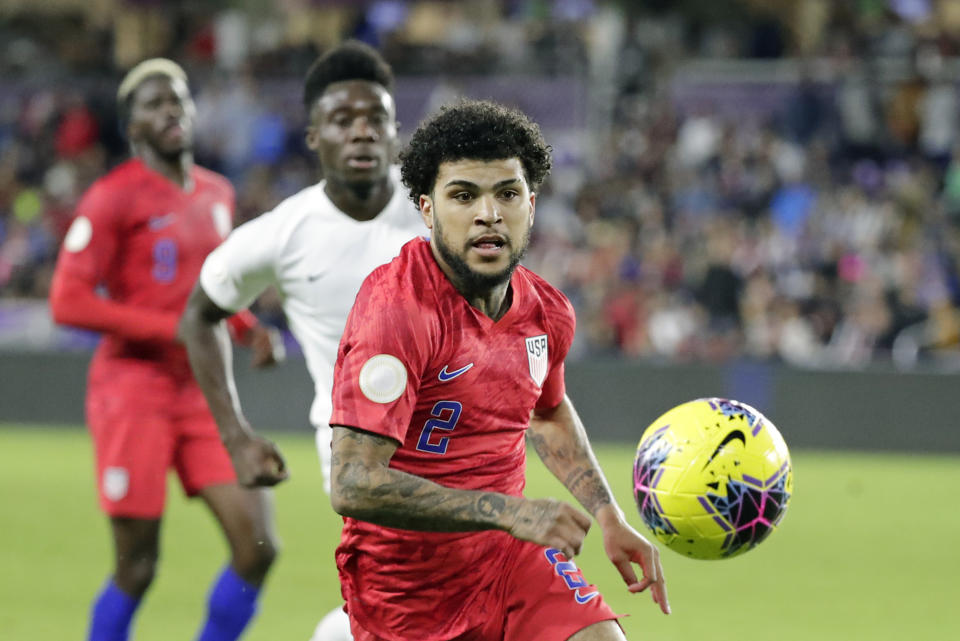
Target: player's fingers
x: 626, y: 572
x: 279, y: 460
x: 569, y: 540
x: 272, y: 457
x: 640, y: 586
x: 649, y: 560
x: 582, y: 520
x: 577, y: 545
x: 659, y: 593
x: 279, y: 469
x: 269, y: 479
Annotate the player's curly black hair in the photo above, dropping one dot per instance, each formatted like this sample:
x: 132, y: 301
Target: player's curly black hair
x: 473, y: 129
x: 352, y: 60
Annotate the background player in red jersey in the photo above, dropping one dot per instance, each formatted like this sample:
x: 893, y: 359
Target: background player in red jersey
x: 142, y: 232
x: 452, y: 355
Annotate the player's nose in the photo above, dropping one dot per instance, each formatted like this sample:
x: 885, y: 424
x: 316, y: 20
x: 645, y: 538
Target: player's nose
x: 172, y: 108
x: 361, y: 130
x: 488, y: 211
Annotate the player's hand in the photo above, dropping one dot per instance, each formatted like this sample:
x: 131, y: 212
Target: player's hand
x: 625, y: 547
x: 551, y: 523
x: 267, y: 346
x: 258, y: 462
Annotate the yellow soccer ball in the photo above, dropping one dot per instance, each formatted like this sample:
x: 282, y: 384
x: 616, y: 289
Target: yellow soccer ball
x: 712, y: 478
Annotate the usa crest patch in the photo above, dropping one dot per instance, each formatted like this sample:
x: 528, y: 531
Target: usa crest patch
x: 537, y: 358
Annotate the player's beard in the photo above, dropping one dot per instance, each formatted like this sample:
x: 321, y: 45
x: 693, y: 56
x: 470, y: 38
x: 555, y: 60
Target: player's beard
x: 472, y: 281
x: 170, y: 153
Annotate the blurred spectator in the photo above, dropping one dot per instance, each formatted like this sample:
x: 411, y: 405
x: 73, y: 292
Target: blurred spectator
x: 811, y: 218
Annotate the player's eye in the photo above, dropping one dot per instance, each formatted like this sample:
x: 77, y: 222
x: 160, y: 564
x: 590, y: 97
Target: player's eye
x: 463, y: 196
x: 341, y: 119
x: 509, y: 194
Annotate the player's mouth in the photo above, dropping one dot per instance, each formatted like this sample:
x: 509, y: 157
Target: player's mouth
x: 175, y: 130
x: 489, y: 245
x: 362, y: 162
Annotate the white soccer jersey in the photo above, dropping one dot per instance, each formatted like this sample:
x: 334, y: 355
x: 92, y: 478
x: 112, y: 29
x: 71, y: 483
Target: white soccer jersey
x: 316, y: 256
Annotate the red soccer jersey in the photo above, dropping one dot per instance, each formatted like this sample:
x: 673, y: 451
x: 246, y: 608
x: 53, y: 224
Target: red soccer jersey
x: 418, y: 364
x: 143, y: 239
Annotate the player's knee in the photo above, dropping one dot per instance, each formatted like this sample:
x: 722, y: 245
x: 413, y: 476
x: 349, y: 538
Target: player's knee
x: 134, y: 576
x: 255, y: 561
x: 266, y: 552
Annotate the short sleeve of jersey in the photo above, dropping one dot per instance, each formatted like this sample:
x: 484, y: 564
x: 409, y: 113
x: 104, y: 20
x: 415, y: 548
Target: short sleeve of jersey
x: 563, y: 318
x: 381, y: 359
x: 238, y: 270
x: 92, y: 240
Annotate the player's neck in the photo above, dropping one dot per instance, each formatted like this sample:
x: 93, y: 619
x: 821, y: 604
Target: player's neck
x: 177, y: 170
x: 360, y: 201
x: 492, y: 301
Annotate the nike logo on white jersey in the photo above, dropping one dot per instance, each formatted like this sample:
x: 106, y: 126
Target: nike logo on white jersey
x: 446, y: 376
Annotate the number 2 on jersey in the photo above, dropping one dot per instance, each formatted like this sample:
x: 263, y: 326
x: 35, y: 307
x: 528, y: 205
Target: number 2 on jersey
x: 445, y: 416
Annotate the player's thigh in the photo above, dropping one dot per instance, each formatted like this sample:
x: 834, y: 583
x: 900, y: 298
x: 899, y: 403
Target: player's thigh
x: 601, y: 631
x: 548, y: 598
x: 133, y: 440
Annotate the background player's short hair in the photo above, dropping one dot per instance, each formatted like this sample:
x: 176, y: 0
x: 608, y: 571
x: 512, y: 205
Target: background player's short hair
x: 474, y: 130
x: 142, y: 71
x: 352, y: 60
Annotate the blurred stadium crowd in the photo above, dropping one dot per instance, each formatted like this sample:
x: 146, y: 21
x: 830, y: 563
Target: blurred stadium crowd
x: 773, y: 180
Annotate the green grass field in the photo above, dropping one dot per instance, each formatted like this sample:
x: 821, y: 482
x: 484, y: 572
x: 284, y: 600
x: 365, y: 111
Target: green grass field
x: 869, y: 550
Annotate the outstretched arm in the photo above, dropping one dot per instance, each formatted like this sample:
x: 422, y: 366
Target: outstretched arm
x: 255, y: 459
x: 365, y: 487
x: 561, y: 441
x: 74, y: 301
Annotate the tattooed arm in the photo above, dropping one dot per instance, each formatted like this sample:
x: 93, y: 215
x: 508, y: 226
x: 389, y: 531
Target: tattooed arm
x: 364, y: 487
x: 561, y: 442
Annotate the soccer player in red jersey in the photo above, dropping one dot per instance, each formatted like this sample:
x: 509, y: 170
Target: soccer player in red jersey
x: 141, y: 233
x: 453, y: 356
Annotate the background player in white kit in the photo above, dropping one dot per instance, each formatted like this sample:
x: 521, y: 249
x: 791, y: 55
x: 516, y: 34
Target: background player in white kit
x: 315, y: 248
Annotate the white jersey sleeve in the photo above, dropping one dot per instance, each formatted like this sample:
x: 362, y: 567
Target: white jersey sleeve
x: 238, y: 271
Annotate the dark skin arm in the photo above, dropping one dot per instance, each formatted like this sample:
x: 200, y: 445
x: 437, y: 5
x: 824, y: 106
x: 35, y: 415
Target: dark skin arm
x: 561, y: 442
x: 363, y: 486
x: 257, y: 461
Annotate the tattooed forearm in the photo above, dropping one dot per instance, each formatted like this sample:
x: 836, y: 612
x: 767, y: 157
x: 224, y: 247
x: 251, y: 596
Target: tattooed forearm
x: 561, y: 442
x: 491, y: 505
x: 397, y: 499
x: 365, y: 487
x: 590, y: 488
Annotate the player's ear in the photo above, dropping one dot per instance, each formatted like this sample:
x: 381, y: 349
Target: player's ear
x: 393, y: 147
x: 312, y: 138
x: 533, y: 205
x: 426, y: 210
x: 132, y: 132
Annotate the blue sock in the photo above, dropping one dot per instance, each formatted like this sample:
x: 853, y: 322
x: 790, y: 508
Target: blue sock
x: 111, y: 614
x: 231, y: 605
